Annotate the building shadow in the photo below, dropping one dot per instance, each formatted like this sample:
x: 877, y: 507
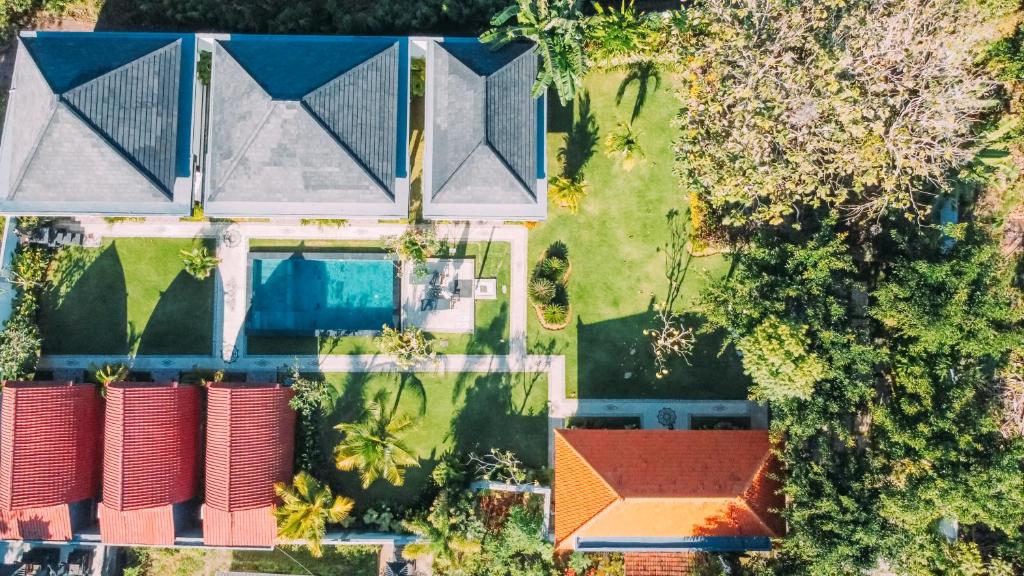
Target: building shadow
x: 620, y: 363
x: 182, y: 321
x: 85, y: 306
x: 493, y: 417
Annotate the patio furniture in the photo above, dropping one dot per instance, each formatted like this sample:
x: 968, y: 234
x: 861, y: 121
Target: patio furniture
x: 428, y: 304
x: 463, y: 288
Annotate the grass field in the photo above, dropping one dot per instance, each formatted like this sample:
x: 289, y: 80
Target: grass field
x: 617, y: 246
x: 493, y: 260
x: 132, y: 295
x: 459, y: 412
x: 336, y: 561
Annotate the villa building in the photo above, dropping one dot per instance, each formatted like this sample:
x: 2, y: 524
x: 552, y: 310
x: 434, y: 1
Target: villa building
x: 150, y: 462
x: 662, y: 491
x: 49, y: 459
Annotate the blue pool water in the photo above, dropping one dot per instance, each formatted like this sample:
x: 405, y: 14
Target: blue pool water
x: 297, y: 294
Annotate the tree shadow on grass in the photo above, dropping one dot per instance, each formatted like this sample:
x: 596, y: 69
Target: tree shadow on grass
x: 580, y: 139
x: 492, y: 417
x: 85, y: 306
x: 182, y: 321
x: 643, y: 74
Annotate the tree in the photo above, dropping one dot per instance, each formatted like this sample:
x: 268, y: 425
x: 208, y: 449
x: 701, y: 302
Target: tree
x: 311, y: 396
x: 520, y: 548
x: 375, y: 445
x: 414, y: 245
x: 558, y: 27
x: 623, y: 35
x: 199, y: 263
x: 670, y: 338
x: 409, y: 346
x: 450, y: 533
x: 20, y: 346
x: 776, y: 357
x: 866, y: 104
x: 568, y: 192
x: 307, y: 506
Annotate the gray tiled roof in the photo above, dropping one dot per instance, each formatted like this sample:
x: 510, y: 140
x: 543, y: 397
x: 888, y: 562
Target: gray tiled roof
x: 335, y: 145
x: 108, y: 142
x: 483, y: 143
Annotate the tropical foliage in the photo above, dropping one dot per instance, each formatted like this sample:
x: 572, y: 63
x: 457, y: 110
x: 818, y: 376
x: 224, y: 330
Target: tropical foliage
x: 866, y: 104
x: 375, y: 445
x: 199, y: 263
x: 408, y: 346
x: 622, y: 35
x: 414, y: 245
x: 548, y: 289
x: 110, y: 373
x: 451, y: 534
x: 306, y: 508
x: 311, y: 396
x: 623, y: 146
x: 558, y: 27
x: 568, y: 192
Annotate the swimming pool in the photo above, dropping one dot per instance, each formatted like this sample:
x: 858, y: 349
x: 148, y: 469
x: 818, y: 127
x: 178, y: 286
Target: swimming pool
x: 306, y: 293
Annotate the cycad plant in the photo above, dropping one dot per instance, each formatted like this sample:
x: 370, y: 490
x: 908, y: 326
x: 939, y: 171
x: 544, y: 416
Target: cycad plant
x: 199, y: 263
x: 623, y: 144
x: 307, y: 506
x: 375, y: 446
x: 558, y: 27
x: 568, y: 192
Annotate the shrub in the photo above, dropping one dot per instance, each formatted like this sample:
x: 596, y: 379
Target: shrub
x: 19, y: 348
x: 310, y: 397
x: 409, y: 346
x: 30, y: 264
x: 414, y: 245
x: 111, y: 373
x: 623, y: 145
x: 553, y: 268
x: 205, y: 67
x: 568, y: 192
x: 542, y: 291
x: 199, y: 263
x: 418, y: 84
x: 555, y: 314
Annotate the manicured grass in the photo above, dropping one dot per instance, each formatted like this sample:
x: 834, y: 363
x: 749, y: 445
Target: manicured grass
x: 617, y: 247
x: 131, y: 295
x: 493, y: 260
x: 336, y: 561
x: 459, y: 412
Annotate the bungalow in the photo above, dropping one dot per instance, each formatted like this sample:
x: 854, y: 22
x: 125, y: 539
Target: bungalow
x: 484, y: 157
x: 308, y: 126
x: 658, y: 491
x: 49, y: 459
x: 150, y: 462
x: 250, y: 443
x: 99, y: 123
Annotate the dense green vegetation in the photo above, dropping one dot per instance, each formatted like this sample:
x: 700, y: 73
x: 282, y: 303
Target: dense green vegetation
x: 130, y: 296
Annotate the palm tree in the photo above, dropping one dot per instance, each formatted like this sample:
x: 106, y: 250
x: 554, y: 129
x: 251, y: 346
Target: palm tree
x: 307, y: 506
x: 198, y: 262
x: 374, y: 445
x: 441, y: 539
x: 558, y: 27
x: 623, y: 144
x: 568, y: 192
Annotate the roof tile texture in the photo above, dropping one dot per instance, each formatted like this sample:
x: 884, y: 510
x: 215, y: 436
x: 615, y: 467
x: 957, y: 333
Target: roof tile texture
x: 664, y: 483
x: 658, y: 564
x: 49, y: 444
x: 152, y: 526
x: 51, y: 523
x: 250, y: 442
x: 152, y: 445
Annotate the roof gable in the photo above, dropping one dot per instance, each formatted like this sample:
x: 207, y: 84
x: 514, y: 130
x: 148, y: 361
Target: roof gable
x: 49, y: 448
x: 482, y: 99
x: 331, y: 142
x: 68, y: 60
x: 151, y: 448
x: 666, y: 484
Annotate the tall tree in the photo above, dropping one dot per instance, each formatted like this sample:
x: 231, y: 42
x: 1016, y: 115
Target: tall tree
x: 558, y: 27
x: 307, y: 506
x: 865, y: 104
x: 375, y: 446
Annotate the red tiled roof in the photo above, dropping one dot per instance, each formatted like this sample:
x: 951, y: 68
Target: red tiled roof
x: 664, y: 484
x: 250, y: 442
x: 658, y: 563
x: 150, y: 459
x: 49, y: 456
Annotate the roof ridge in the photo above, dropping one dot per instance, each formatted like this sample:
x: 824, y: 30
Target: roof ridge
x: 482, y: 142
x: 589, y: 465
x: 174, y: 42
x: 65, y: 98
x: 362, y: 64
x: 487, y: 136
x: 248, y: 143
x: 617, y: 497
x: 504, y: 161
x: 344, y: 147
x: 31, y: 157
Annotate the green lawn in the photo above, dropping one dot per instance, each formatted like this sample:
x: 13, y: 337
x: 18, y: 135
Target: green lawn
x: 617, y: 247
x: 336, y: 561
x: 493, y: 260
x: 131, y: 295
x: 460, y: 412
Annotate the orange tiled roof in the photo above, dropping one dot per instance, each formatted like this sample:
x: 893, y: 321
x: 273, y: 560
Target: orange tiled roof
x: 658, y: 563
x: 664, y: 484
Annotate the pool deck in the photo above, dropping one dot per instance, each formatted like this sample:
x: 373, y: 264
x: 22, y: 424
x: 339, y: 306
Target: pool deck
x: 448, y: 316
